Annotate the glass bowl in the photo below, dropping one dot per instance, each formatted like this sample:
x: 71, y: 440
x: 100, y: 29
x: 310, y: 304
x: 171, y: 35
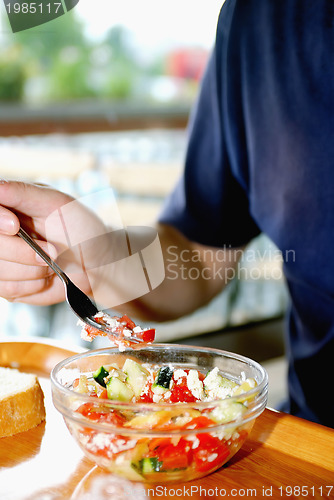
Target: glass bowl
x: 160, y: 442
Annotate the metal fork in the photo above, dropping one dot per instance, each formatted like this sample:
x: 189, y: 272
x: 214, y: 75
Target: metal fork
x: 78, y: 301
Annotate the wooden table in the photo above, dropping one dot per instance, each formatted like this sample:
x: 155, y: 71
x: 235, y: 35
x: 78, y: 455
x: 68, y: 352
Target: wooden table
x: 284, y: 457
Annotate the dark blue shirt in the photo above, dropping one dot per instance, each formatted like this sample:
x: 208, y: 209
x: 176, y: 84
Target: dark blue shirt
x: 261, y: 159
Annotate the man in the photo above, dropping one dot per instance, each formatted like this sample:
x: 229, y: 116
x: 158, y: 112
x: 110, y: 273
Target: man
x: 260, y: 159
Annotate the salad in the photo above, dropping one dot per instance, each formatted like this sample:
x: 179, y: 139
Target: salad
x: 160, y: 438
x: 123, y: 332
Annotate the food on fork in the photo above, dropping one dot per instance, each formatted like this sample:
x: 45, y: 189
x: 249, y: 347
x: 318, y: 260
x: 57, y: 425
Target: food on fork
x: 21, y: 402
x: 123, y: 331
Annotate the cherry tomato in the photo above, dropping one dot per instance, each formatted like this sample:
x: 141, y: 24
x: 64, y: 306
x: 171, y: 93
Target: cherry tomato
x: 180, y: 391
x: 75, y: 382
x: 103, y: 394
x: 91, y: 411
x: 156, y: 442
x: 127, y: 321
x: 210, y: 453
x: 199, y: 423
x: 148, y: 335
x: 173, y: 456
x: 148, y: 396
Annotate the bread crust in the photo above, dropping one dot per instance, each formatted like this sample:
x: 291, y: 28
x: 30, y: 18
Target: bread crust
x: 22, y: 411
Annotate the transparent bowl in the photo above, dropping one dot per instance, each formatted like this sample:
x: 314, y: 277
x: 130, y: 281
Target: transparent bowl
x: 189, y: 453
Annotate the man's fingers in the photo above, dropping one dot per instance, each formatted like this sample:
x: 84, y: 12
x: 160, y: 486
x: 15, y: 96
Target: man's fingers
x: 36, y: 292
x: 9, y: 223
x: 50, y: 291
x: 12, y: 290
x: 14, y: 249
x: 30, y: 199
x: 11, y: 271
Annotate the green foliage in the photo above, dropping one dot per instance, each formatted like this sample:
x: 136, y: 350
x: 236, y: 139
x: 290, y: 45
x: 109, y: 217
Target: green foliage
x: 57, y: 52
x: 11, y: 81
x: 68, y: 77
x: 69, y: 65
x: 119, y: 82
x: 122, y: 69
x: 45, y: 43
x: 12, y: 76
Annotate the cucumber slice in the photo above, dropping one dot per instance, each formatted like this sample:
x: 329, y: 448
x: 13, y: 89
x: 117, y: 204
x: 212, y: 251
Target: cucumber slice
x: 213, y: 378
x: 118, y: 390
x: 218, y: 387
x: 100, y: 374
x: 151, y: 464
x: 228, y: 411
x: 127, y: 470
x: 164, y: 377
x: 136, y: 375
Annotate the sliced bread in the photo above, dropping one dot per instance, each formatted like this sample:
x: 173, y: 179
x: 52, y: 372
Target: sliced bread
x: 21, y: 402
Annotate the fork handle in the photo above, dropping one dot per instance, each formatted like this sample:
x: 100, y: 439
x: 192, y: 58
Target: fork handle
x: 25, y: 236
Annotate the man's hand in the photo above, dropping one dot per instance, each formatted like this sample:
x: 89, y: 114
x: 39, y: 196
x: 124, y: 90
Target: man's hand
x: 24, y: 277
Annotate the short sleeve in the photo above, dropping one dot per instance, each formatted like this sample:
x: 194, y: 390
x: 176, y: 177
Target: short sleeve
x: 209, y: 205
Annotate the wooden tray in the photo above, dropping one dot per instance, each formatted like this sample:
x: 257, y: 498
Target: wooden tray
x: 283, y: 457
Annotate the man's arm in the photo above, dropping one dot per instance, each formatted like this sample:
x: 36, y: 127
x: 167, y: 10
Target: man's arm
x: 194, y: 273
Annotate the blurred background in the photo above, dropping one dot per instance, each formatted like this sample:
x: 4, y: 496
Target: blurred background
x: 100, y: 97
